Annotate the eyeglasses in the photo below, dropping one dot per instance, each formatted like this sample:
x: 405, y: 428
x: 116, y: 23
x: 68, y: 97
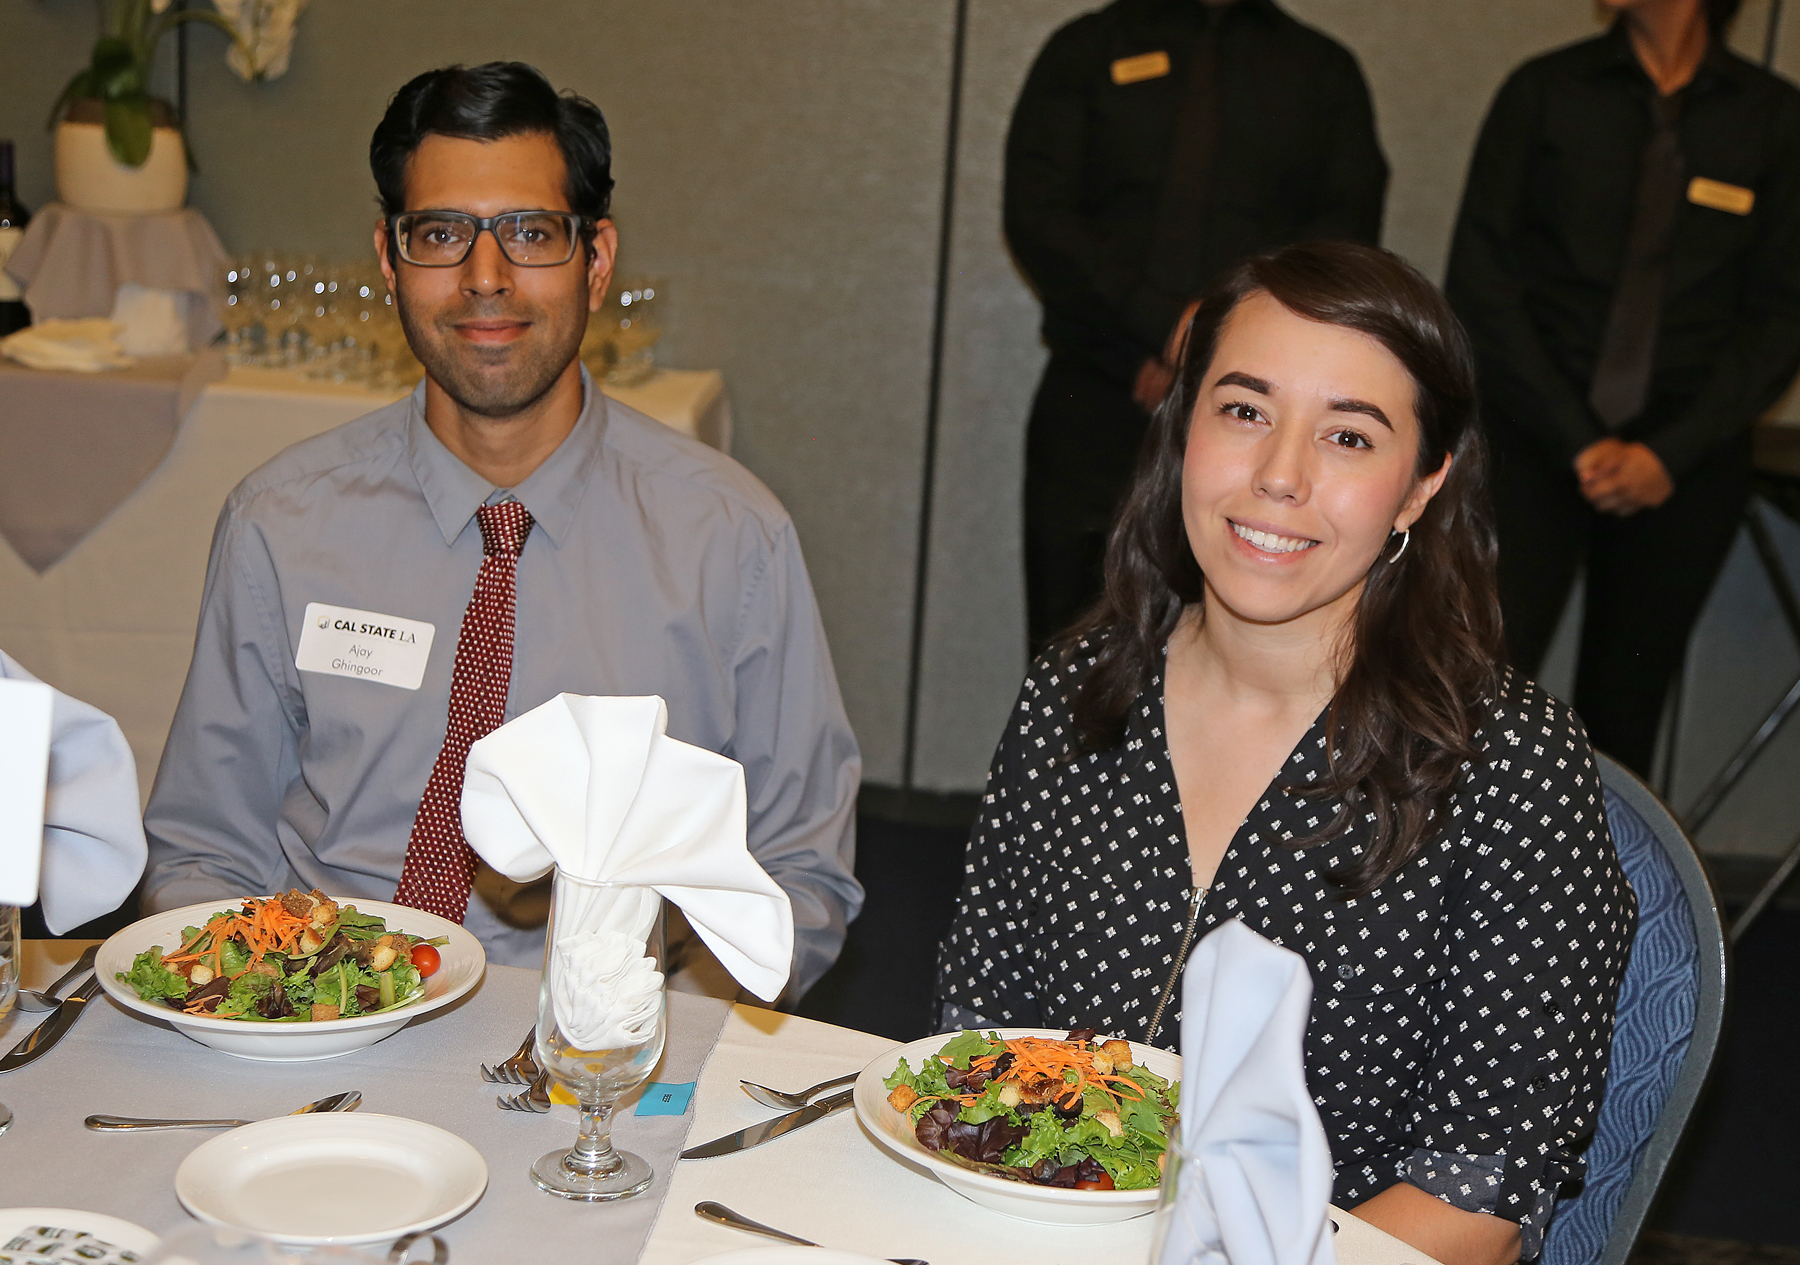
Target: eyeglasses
x: 530, y: 239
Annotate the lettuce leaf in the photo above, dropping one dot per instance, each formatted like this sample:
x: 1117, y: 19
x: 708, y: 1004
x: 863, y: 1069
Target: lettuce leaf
x: 151, y: 979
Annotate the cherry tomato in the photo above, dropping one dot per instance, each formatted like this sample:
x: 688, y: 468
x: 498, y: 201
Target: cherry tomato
x: 1104, y: 1182
x: 427, y: 959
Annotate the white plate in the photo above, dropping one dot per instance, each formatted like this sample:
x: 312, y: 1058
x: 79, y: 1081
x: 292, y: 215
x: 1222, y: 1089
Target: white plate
x: 121, y: 1234
x: 464, y: 962
x: 1051, y: 1204
x: 791, y: 1255
x: 337, y: 1178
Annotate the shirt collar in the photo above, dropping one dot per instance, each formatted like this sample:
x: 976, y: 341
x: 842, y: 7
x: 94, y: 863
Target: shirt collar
x: 552, y: 492
x: 1717, y: 68
x: 1262, y: 8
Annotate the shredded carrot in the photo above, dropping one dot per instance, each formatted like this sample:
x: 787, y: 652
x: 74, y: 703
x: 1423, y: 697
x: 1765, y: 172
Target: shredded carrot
x: 265, y: 926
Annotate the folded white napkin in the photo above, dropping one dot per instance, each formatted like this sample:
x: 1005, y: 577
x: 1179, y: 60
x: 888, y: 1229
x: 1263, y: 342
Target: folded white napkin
x: 90, y: 833
x: 1257, y: 1180
x: 88, y: 345
x: 151, y: 322
x: 594, y: 786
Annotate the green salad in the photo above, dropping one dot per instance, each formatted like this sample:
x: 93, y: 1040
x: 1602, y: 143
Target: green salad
x: 1075, y: 1112
x: 294, y: 958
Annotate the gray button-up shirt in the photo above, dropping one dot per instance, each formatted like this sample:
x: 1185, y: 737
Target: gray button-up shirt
x: 656, y: 566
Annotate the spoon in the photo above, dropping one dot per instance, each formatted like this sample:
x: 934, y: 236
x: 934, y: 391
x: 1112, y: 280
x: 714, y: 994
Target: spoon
x: 799, y: 1098
x: 718, y: 1212
x: 32, y: 999
x: 347, y: 1101
x: 5, y: 1117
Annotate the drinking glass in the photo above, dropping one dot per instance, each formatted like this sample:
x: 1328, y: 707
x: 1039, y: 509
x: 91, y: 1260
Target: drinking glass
x: 9, y: 958
x: 1174, y: 1240
x: 240, y: 312
x: 601, y: 1024
x: 632, y: 323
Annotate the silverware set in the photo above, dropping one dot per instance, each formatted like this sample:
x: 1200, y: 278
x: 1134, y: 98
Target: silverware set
x: 349, y: 1100
x: 521, y: 1069
x: 30, y: 999
x: 63, y: 1014
x: 719, y: 1214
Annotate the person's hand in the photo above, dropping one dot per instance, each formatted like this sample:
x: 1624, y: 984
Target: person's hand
x: 1154, y: 378
x: 1619, y: 477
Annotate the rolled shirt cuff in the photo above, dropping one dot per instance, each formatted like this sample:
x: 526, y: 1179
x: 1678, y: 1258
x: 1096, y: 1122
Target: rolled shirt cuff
x: 1472, y: 1183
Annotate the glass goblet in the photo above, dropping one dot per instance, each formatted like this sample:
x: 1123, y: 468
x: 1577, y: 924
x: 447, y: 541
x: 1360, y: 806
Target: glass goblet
x: 601, y: 1024
x: 9, y: 958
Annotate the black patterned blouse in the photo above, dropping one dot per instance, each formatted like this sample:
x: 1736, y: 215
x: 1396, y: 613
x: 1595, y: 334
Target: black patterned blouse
x: 1461, y: 1012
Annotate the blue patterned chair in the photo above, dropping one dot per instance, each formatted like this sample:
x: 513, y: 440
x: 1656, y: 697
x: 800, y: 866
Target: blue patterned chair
x: 1671, y: 1005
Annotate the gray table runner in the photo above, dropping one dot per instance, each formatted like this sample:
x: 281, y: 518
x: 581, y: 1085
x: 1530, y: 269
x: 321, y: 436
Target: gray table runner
x: 113, y: 1061
x: 74, y: 446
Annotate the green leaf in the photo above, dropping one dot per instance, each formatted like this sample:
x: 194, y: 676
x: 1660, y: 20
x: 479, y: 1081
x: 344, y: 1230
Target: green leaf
x: 151, y: 979
x: 82, y: 85
x: 128, y: 130
x: 964, y: 1046
x: 115, y: 68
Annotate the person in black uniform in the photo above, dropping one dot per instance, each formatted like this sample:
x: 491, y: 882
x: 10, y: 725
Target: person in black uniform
x: 1627, y: 262
x: 1155, y: 143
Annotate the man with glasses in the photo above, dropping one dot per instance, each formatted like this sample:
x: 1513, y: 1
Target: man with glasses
x: 342, y: 666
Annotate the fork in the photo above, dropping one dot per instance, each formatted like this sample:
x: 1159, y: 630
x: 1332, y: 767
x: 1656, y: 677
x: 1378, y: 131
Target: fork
x: 780, y: 1098
x: 535, y: 1100
x: 520, y: 1069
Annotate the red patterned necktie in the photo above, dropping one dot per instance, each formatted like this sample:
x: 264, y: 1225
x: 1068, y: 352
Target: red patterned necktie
x: 440, y: 866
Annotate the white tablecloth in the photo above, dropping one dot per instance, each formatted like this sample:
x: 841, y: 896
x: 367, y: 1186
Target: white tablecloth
x: 829, y: 1182
x: 112, y: 623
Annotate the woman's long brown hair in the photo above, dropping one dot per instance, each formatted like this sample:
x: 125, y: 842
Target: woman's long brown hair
x: 1424, y: 665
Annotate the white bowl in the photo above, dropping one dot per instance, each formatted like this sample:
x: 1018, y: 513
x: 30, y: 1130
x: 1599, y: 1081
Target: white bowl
x: 461, y: 969
x: 1051, y: 1204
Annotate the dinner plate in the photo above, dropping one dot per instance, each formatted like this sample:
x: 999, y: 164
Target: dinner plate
x: 463, y: 962
x: 332, y: 1179
x: 27, y: 1233
x: 1050, y: 1204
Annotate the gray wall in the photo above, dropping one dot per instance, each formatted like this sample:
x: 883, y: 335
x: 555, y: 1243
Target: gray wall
x: 780, y: 163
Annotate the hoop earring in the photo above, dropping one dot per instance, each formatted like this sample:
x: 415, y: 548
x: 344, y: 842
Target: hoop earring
x: 1405, y: 540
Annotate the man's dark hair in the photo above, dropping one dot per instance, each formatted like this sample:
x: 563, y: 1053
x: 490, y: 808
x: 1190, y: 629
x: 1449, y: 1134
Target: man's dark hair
x: 487, y: 103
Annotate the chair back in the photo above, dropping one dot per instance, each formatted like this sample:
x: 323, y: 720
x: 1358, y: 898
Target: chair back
x: 1670, y: 1010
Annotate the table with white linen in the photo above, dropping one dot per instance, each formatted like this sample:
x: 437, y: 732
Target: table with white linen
x: 829, y: 1182
x: 112, y: 622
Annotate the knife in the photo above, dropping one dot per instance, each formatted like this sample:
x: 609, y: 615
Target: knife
x: 768, y: 1130
x: 49, y: 1032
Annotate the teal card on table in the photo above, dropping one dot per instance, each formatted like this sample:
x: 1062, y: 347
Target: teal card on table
x: 665, y: 1100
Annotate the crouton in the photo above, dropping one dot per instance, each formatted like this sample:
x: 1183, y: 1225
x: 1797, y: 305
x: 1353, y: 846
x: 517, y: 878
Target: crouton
x: 902, y: 1098
x: 1111, y: 1120
x: 321, y: 1012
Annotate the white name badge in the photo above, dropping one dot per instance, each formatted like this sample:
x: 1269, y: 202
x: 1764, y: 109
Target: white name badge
x: 366, y: 645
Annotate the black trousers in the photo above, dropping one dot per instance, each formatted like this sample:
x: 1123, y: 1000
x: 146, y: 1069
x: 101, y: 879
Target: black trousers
x: 1647, y: 578
x: 1081, y: 446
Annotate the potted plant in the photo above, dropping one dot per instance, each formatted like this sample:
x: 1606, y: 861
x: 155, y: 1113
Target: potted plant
x: 117, y: 147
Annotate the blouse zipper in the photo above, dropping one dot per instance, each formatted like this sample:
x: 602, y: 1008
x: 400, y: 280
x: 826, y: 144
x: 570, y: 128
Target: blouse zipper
x: 1187, y: 940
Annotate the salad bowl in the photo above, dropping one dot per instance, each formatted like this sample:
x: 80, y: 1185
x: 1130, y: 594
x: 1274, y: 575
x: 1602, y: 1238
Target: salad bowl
x: 463, y: 962
x: 1051, y: 1204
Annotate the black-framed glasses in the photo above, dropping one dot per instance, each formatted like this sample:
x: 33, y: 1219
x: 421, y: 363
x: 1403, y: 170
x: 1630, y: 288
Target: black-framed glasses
x: 530, y: 239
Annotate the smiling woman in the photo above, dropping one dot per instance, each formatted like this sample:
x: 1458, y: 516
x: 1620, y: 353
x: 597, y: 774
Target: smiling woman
x: 1288, y: 709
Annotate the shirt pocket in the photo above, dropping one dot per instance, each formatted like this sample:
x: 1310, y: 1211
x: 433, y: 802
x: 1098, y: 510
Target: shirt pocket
x: 1373, y: 981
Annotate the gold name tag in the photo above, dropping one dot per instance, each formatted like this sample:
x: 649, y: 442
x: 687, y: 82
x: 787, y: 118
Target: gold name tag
x: 1137, y: 69
x: 1719, y: 196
